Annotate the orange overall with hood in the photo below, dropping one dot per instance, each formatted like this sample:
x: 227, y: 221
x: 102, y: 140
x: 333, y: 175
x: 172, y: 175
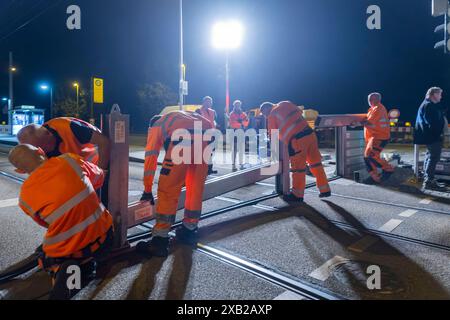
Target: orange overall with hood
x: 184, y: 165
x: 301, y: 140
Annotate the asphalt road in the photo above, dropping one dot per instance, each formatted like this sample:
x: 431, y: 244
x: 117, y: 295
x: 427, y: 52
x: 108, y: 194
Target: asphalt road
x: 328, y: 244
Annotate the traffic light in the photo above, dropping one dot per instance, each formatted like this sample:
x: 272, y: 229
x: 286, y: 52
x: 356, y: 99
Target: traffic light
x: 441, y: 8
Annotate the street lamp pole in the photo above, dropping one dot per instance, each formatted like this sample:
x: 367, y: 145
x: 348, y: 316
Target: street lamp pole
x: 227, y: 80
x: 181, y: 91
x: 51, y: 102
x: 11, y: 90
x: 77, y: 86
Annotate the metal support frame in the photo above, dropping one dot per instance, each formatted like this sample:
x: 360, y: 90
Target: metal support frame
x: 349, y: 143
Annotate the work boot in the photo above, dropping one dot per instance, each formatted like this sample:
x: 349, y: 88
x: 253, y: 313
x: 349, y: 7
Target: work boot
x: 234, y: 169
x: 434, y: 186
x: 186, y: 236
x: 325, y: 194
x: 292, y: 198
x: 60, y: 290
x: 157, y: 247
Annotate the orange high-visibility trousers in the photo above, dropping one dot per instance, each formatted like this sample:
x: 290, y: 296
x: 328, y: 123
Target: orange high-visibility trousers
x: 373, y: 160
x: 306, y: 151
x: 171, y: 180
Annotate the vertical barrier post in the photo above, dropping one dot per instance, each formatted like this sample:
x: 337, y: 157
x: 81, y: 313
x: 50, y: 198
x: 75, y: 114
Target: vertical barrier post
x: 416, y: 160
x: 340, y: 151
x: 118, y: 130
x: 283, y: 179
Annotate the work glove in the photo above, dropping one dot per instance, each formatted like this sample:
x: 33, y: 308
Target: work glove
x: 148, y: 196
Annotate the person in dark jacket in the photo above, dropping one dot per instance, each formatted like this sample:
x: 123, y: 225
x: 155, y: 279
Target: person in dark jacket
x: 429, y: 131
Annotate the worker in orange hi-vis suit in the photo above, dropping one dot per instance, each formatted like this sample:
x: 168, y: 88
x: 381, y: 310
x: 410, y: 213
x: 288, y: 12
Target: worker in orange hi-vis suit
x: 68, y: 135
x: 59, y: 195
x: 303, y: 147
x: 238, y: 120
x: 377, y: 133
x: 209, y: 113
x: 190, y: 171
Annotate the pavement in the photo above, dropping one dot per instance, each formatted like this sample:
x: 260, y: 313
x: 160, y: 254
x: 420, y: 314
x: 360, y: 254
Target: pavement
x: 328, y: 244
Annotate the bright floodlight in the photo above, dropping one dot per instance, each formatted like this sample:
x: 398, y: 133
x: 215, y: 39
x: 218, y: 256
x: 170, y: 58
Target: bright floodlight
x: 227, y: 35
x: 44, y: 87
x: 4, y: 99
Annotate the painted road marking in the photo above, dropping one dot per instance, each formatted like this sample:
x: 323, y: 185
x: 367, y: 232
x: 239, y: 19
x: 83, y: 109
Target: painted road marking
x: 362, y: 244
x: 323, y: 272
x: 344, y: 182
x: 265, y: 184
x: 289, y: 295
x: 408, y: 213
x: 9, y: 203
x: 390, y: 225
x: 427, y: 200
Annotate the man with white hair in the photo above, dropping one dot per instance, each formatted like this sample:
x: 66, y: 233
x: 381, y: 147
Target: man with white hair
x: 377, y: 133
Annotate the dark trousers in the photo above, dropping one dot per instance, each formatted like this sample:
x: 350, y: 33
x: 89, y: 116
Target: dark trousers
x: 432, y: 158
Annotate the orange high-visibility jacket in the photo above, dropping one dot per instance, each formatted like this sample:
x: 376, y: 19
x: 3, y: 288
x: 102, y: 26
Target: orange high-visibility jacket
x: 378, y: 126
x: 160, y: 134
x: 69, y: 143
x: 209, y: 114
x: 60, y: 196
x: 287, y: 118
x: 238, y: 120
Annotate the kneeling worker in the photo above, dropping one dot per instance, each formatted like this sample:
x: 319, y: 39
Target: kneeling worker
x: 68, y: 135
x: 301, y: 141
x: 59, y: 195
x: 172, y: 178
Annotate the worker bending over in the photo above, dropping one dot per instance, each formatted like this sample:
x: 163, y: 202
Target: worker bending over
x: 173, y: 176
x: 209, y: 113
x: 303, y: 147
x: 68, y: 135
x: 59, y: 195
x: 238, y: 120
x: 377, y: 133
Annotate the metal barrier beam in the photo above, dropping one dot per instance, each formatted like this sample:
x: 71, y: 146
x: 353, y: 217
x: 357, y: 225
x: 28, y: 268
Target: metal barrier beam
x: 140, y: 212
x: 341, y: 120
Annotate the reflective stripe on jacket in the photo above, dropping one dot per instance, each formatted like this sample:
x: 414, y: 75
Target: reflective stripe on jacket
x: 69, y: 143
x: 238, y: 120
x: 60, y: 195
x: 287, y: 118
x: 209, y: 114
x: 378, y: 126
x: 161, y: 135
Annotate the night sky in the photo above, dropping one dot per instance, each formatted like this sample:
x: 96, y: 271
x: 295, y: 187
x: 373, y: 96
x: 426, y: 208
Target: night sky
x: 317, y: 53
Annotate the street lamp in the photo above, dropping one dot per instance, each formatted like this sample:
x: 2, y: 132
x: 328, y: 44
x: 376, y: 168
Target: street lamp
x: 46, y: 87
x: 227, y: 35
x: 77, y: 86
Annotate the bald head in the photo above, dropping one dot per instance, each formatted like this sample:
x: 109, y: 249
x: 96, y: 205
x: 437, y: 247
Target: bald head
x: 374, y: 99
x: 37, y: 136
x: 26, y: 158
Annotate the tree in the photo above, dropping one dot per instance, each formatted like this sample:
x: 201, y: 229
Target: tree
x: 153, y: 98
x: 66, y: 105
